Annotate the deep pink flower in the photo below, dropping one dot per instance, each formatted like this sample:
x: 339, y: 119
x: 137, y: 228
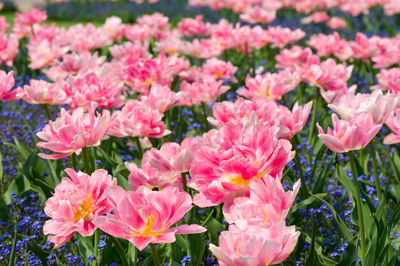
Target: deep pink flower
x: 145, y: 216
x: 228, y: 159
x: 255, y: 246
x: 71, y: 132
x: 76, y: 202
x: 349, y: 135
x: 105, y: 91
x: 6, y: 84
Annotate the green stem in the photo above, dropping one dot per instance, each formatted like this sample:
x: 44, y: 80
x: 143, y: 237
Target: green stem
x: 86, y: 160
x: 46, y: 108
x: 95, y: 245
x: 73, y: 159
x: 204, y: 107
x: 155, y: 254
x: 184, y: 184
x: 139, y: 147
x: 359, y: 206
x: 375, y: 168
x: 120, y: 251
x: 313, y: 119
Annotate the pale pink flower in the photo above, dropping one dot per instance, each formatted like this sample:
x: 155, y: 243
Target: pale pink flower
x: 76, y: 202
x: 292, y: 58
x: 193, y: 26
x: 266, y: 205
x: 349, y: 135
x: 128, y: 51
x: 292, y: 122
x: 105, y: 91
x: 330, y: 44
x: 204, y: 91
x: 114, y: 28
x: 142, y: 73
x: 316, y: 17
x: 270, y: 85
x: 146, y: 216
x: 389, y: 79
x: 394, y: 124
x: 88, y: 37
x: 9, y: 44
x: 137, y: 119
x: 364, y: 47
x: 219, y: 69
x: 43, y: 53
x: 6, y: 84
x: 160, y: 97
x: 228, y: 159
x: 43, y: 92
x: 280, y: 37
x: 378, y: 105
x: 255, y: 246
x: 258, y: 15
x: 336, y: 23
x: 162, y: 168
x: 23, y: 22
x: 327, y: 76
x: 71, y: 132
x: 75, y: 64
x: 288, y: 123
x: 3, y: 24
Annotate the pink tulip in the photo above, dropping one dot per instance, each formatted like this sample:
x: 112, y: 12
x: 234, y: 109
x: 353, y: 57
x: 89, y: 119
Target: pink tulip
x: 378, y: 105
x: 160, y: 97
x: 336, y: 23
x: 145, y: 216
x: 349, y: 135
x: 204, y: 91
x: 69, y: 133
x: 76, y: 202
x: 162, y: 168
x: 9, y: 44
x: 228, y: 159
x: 43, y: 92
x: 196, y: 26
x: 23, y: 22
x: 271, y: 86
x: 288, y: 123
x: 219, y: 69
x: 6, y: 84
x: 266, y: 205
x: 394, y: 124
x: 389, y: 79
x: 292, y: 58
x: 331, y: 44
x: 255, y: 246
x: 91, y: 87
x: 137, y: 119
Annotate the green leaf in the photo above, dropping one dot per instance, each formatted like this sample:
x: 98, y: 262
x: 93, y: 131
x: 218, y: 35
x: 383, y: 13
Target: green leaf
x: 11, y: 260
x: 1, y: 168
x: 349, y: 256
x: 132, y: 254
x: 85, y: 246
